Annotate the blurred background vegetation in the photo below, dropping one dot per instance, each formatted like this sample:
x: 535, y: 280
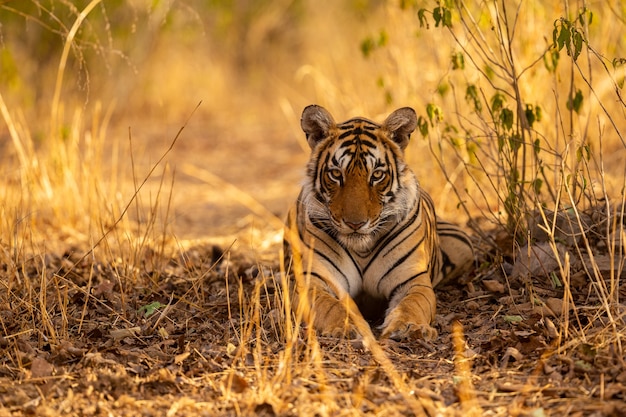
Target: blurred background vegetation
x: 145, y: 65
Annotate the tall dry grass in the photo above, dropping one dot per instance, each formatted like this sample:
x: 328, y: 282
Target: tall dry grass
x: 82, y: 186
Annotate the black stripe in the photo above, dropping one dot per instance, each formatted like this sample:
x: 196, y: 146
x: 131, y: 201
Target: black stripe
x: 400, y: 285
x: 455, y: 234
x: 400, y: 228
x: 350, y: 133
x: 398, y: 263
x: 367, y: 143
x: 322, y: 255
x: 320, y: 227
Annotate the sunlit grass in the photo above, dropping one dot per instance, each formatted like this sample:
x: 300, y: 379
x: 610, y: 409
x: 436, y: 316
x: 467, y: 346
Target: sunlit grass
x: 103, y: 203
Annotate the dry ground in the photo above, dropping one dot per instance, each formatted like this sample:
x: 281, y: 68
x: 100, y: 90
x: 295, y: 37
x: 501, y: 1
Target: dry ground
x: 175, y: 307
x: 200, y: 328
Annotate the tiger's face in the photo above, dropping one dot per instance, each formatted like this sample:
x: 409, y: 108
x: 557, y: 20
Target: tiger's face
x: 357, y: 173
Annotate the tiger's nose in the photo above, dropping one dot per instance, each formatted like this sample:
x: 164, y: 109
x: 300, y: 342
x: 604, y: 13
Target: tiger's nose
x: 354, y: 225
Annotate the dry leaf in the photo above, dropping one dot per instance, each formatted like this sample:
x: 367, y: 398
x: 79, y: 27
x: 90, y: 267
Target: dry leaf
x: 96, y: 358
x: 118, y: 334
x: 511, y: 352
x: 494, y: 285
x: 553, y: 333
x: 41, y: 368
x: 105, y: 287
x: 236, y: 383
x: 555, y: 304
x: 178, y: 359
x: 537, y: 260
x: 163, y: 333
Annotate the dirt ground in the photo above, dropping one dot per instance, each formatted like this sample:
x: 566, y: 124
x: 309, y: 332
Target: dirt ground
x: 201, y: 329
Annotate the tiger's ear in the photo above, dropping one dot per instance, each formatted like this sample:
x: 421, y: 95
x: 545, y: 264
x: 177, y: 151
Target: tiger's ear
x: 400, y: 124
x: 316, y: 122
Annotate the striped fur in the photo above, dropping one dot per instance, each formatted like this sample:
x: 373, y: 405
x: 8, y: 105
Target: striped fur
x: 367, y: 230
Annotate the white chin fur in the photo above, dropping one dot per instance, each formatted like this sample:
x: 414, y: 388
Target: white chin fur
x: 356, y: 241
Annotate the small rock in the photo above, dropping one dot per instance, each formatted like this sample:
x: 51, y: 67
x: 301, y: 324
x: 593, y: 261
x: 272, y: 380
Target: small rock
x: 537, y: 260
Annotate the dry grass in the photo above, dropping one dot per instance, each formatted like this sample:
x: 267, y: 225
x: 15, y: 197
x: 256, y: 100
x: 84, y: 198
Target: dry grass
x: 140, y: 269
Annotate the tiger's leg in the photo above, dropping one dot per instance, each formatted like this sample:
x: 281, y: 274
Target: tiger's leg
x: 330, y: 314
x: 323, y: 284
x: 324, y: 304
x: 411, y: 310
x: 457, y: 252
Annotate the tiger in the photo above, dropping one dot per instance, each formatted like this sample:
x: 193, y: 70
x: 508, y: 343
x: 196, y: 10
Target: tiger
x: 365, y: 229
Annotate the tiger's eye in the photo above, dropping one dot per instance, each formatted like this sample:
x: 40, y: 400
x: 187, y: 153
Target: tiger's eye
x: 335, y: 174
x: 377, y: 176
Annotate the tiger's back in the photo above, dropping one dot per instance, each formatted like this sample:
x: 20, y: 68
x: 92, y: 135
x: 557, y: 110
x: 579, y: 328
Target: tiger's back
x: 367, y: 230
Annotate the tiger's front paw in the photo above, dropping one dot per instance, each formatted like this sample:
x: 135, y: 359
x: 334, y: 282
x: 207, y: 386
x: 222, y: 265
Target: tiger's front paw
x: 408, y: 331
x: 331, y: 319
x: 407, y: 323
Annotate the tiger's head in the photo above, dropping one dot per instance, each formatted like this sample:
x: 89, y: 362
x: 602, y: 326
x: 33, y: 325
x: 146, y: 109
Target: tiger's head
x: 358, y: 184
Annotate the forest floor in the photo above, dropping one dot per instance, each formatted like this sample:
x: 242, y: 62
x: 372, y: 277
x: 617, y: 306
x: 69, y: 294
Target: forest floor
x: 204, y: 329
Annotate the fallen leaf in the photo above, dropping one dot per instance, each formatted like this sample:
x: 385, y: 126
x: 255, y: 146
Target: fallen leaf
x: 513, y: 319
x: 163, y: 333
x: 150, y: 309
x: 178, y: 359
x: 236, y: 383
x: 494, y: 285
x: 67, y: 350
x: 41, y: 368
x: 105, y: 287
x: 510, y: 352
x: 118, y: 334
x: 556, y: 305
x: 537, y: 260
x: 553, y: 333
x: 96, y: 358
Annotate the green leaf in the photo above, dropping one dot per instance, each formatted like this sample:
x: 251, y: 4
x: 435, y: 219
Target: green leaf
x: 422, y: 18
x: 452, y: 133
x: 472, y: 97
x: 367, y: 46
x: 443, y: 88
x: 583, y: 152
x: 555, y: 281
x: 530, y: 115
x: 513, y: 319
x: 575, y: 103
x: 515, y: 142
x: 458, y: 61
x: 422, y: 126
x: 497, y: 102
x: 533, y: 114
x: 578, y: 44
x: 506, y: 118
x: 538, y: 113
x: 443, y: 16
x: 489, y: 72
x: 551, y: 59
x: 471, y: 148
x: 150, y: 309
x: 434, y: 112
x: 564, y: 35
x: 537, y: 183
